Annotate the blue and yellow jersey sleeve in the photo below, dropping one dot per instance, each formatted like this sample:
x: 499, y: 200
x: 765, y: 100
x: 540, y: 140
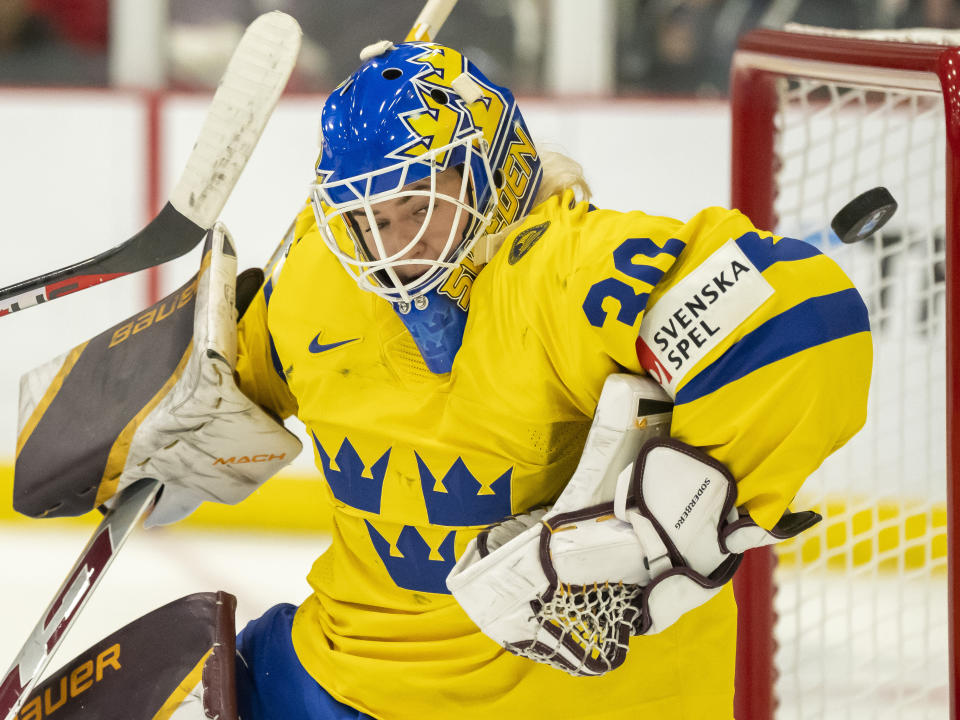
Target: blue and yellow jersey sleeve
x: 776, y: 377
x: 763, y: 341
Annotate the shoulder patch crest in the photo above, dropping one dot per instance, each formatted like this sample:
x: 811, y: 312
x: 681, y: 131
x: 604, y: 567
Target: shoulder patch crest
x: 526, y: 240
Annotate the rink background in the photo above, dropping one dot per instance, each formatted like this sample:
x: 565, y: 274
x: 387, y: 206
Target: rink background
x: 74, y: 182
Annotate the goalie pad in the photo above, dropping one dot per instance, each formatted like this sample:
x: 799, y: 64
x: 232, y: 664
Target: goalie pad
x: 638, y: 538
x: 176, y: 662
x: 152, y: 397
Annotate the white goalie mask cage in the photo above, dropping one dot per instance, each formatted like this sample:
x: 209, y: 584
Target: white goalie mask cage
x: 364, y: 253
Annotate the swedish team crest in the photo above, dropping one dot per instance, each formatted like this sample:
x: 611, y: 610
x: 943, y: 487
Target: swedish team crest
x: 526, y: 240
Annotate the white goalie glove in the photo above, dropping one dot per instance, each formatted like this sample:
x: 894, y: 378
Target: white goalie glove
x: 646, y: 530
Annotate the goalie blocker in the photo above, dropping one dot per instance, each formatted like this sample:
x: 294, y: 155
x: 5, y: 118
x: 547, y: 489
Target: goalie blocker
x: 152, y: 397
x: 645, y: 531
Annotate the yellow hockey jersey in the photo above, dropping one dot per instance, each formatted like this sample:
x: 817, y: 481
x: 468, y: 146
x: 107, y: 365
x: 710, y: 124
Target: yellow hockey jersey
x: 763, y: 341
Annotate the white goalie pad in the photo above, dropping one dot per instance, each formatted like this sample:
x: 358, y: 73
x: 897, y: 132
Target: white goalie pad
x: 205, y: 440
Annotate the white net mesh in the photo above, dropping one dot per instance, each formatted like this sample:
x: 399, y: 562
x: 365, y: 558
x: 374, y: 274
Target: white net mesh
x: 861, y: 598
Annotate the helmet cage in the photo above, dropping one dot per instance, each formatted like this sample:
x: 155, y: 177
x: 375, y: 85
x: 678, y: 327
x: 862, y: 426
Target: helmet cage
x: 372, y: 267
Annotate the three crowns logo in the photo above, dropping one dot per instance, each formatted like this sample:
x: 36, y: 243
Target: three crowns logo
x: 457, y: 499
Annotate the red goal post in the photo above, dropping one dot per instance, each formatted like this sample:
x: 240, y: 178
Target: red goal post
x: 809, y: 106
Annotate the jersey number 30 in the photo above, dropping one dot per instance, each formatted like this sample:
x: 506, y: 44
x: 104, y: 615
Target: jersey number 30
x: 631, y: 303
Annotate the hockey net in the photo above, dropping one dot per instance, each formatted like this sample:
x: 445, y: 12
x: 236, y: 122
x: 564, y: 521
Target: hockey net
x: 854, y: 620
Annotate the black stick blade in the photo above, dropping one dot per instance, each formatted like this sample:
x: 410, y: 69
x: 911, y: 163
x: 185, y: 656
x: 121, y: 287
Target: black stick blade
x: 168, y: 236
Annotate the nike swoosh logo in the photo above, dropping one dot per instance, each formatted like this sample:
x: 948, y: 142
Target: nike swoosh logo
x: 316, y: 347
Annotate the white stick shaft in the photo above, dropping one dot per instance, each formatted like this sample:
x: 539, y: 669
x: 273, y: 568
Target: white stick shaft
x: 73, y: 594
x: 250, y: 88
x: 430, y: 20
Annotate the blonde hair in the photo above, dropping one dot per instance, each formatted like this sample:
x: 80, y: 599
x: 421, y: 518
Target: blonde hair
x: 560, y: 173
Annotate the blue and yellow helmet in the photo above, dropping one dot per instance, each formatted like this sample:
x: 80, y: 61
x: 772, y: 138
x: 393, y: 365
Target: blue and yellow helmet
x: 410, y: 113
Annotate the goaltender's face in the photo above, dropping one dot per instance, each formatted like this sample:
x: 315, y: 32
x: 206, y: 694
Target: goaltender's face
x: 398, y: 220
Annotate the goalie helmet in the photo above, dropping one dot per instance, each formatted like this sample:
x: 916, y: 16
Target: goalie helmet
x: 389, y: 133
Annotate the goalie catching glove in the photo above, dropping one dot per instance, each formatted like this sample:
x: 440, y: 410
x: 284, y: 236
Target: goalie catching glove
x: 646, y: 530
x: 152, y: 397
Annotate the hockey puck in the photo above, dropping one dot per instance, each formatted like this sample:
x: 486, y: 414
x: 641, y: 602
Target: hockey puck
x: 864, y: 215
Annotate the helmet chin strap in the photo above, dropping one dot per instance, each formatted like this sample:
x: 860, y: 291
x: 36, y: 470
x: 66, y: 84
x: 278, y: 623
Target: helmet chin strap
x: 436, y: 323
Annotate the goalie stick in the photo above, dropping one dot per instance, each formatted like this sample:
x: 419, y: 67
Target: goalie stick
x: 245, y: 98
x: 132, y: 505
x: 430, y: 20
